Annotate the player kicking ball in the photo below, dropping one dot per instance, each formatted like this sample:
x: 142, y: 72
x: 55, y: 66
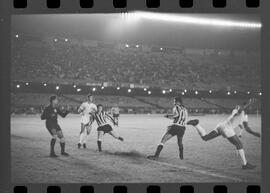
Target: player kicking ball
x: 178, y: 128
x: 103, y: 120
x: 226, y: 129
x: 86, y: 109
x: 50, y: 114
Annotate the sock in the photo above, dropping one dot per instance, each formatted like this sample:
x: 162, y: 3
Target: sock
x: 242, y: 155
x: 200, y: 130
x: 62, y: 145
x: 159, y: 148
x: 81, y: 138
x: 99, y: 145
x: 52, y: 145
x: 181, y: 151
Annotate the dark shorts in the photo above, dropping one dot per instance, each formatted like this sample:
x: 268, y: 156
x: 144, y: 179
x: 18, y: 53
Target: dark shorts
x: 50, y: 128
x: 115, y: 115
x: 176, y: 130
x: 105, y: 128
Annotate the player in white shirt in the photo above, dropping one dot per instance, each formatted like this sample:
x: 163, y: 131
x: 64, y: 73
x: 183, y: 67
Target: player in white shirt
x: 226, y: 129
x: 86, y: 110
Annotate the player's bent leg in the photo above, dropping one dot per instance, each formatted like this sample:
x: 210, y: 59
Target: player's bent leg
x: 53, y: 141
x: 167, y: 136
x: 213, y: 134
x: 112, y: 133
x: 180, y: 146
x: 100, y: 134
x: 62, y: 143
x: 238, y: 144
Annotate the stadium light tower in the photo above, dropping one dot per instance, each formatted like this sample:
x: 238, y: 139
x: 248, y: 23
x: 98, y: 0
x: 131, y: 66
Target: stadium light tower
x: 118, y: 88
x: 57, y: 87
x: 17, y: 36
x: 44, y: 84
x: 94, y: 89
x: 18, y: 86
x: 129, y: 90
x: 149, y: 92
x: 164, y: 92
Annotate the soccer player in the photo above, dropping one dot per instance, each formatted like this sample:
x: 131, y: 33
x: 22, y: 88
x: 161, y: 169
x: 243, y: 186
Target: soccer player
x: 226, y: 129
x: 103, y: 120
x: 115, y: 111
x: 86, y: 109
x: 50, y: 114
x: 178, y: 128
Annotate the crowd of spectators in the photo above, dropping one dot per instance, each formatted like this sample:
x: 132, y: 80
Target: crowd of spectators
x: 100, y: 64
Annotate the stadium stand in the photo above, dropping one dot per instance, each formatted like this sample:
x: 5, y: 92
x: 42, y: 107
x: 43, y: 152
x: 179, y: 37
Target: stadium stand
x: 57, y: 62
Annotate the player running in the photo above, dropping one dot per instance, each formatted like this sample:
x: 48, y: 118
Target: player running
x: 50, y: 114
x: 103, y: 120
x: 226, y: 129
x: 115, y: 111
x: 86, y: 109
x: 179, y: 116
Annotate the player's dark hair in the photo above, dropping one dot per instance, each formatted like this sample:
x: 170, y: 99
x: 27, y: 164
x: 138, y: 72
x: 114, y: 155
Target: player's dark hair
x: 99, y: 105
x: 178, y: 99
x: 52, y: 98
x: 89, y: 95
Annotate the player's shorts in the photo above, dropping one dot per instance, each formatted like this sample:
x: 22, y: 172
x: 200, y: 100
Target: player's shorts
x: 56, y: 128
x: 105, y: 128
x: 85, y: 120
x: 115, y: 115
x: 176, y: 130
x: 225, y: 130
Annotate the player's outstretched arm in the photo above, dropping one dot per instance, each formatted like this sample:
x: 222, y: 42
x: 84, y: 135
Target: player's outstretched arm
x: 251, y: 101
x: 250, y: 131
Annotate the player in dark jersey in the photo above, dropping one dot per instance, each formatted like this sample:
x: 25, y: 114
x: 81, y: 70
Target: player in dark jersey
x: 103, y: 120
x: 178, y: 128
x: 50, y: 114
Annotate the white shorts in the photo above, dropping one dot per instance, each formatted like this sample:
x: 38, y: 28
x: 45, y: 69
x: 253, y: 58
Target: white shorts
x: 225, y: 130
x: 245, y: 118
x: 85, y: 120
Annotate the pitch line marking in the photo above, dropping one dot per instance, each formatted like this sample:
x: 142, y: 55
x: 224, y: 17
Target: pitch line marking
x: 197, y: 171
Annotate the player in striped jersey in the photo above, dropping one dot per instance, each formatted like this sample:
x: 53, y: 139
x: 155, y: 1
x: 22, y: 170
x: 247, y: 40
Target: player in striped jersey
x: 103, y: 120
x: 178, y: 128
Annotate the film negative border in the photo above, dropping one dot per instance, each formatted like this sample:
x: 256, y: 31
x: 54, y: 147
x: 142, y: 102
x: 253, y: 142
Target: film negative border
x: 111, y: 188
x: 145, y: 189
x: 55, y: 4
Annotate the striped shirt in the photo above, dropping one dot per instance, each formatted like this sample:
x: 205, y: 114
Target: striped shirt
x: 102, y: 118
x: 181, y: 114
